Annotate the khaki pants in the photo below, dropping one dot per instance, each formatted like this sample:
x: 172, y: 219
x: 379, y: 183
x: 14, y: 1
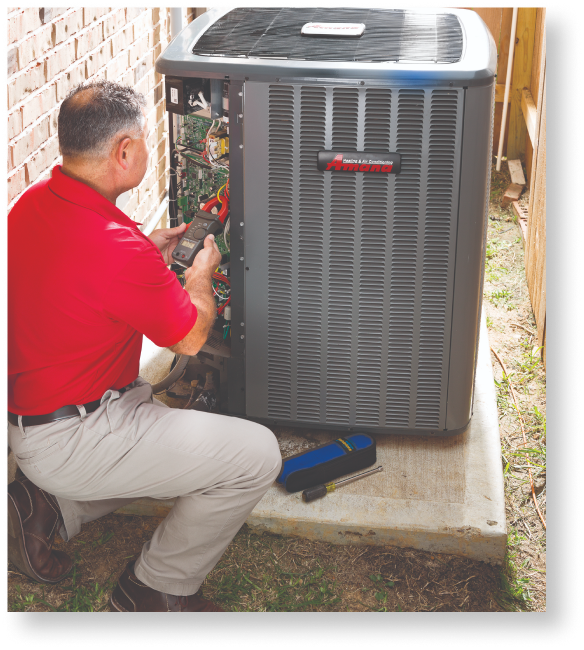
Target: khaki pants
x: 217, y: 467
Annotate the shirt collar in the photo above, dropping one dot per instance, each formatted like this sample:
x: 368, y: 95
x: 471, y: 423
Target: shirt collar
x: 80, y: 194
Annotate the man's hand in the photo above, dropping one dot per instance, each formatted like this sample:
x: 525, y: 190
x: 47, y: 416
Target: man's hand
x: 206, y: 260
x: 166, y: 240
x: 200, y: 289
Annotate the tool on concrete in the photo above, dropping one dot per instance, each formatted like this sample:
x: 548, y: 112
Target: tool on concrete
x: 327, y: 462
x: 322, y: 490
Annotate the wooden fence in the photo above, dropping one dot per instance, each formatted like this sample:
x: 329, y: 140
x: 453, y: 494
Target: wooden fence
x: 524, y: 137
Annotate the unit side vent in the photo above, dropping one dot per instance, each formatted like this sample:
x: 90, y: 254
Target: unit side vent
x: 390, y: 35
x: 410, y: 124
x: 341, y: 261
x: 280, y: 198
x: 310, y: 254
x: 372, y: 289
x: 437, y: 226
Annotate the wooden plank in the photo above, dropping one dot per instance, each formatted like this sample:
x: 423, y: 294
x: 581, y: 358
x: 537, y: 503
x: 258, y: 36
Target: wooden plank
x: 500, y: 93
x: 529, y: 113
x: 521, y: 78
x: 522, y: 61
x: 516, y: 171
x: 504, y: 42
x: 521, y: 213
x: 535, y: 252
x: 533, y: 171
x: 534, y: 84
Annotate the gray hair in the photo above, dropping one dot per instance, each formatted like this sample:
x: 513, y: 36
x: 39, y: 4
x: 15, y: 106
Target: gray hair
x: 93, y: 114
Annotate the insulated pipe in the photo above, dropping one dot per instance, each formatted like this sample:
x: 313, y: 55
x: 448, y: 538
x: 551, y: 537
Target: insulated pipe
x: 507, y: 88
x: 174, y: 375
x: 176, y: 20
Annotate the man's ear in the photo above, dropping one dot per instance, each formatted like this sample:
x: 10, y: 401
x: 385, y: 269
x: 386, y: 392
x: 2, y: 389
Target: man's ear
x: 122, y: 153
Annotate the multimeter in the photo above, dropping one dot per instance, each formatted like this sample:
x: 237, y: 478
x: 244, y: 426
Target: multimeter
x: 193, y: 240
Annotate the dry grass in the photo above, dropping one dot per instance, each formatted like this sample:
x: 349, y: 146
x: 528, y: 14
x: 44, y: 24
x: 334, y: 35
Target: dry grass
x: 273, y: 573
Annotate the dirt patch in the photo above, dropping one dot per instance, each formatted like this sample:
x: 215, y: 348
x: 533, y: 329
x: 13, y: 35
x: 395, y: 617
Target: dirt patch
x: 273, y: 573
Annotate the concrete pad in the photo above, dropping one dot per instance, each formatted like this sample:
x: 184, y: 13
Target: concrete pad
x: 443, y: 495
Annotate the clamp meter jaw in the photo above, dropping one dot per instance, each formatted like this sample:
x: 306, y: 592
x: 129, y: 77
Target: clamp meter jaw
x: 193, y: 240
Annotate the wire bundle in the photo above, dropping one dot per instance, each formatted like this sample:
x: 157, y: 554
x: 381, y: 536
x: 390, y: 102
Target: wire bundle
x: 223, y: 293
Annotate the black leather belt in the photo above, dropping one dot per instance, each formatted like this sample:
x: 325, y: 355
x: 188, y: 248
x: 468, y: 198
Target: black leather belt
x: 60, y: 414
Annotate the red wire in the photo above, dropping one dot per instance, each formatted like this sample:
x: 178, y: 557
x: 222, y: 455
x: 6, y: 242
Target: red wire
x: 220, y: 309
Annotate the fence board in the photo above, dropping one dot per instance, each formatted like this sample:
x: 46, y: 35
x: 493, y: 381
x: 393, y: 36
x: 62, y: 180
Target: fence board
x: 534, y: 85
x: 503, y: 58
x: 522, y: 62
x: 535, y: 250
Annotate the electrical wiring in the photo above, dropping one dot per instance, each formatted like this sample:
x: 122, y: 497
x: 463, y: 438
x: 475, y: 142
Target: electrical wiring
x: 219, y: 192
x: 226, y: 233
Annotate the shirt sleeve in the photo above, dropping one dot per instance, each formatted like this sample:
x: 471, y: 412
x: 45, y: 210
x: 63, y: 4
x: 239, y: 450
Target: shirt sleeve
x: 146, y: 295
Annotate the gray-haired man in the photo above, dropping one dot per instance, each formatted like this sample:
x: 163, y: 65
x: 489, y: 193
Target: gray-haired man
x: 84, y: 286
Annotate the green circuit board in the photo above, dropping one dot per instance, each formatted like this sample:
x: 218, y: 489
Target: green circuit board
x: 197, y: 182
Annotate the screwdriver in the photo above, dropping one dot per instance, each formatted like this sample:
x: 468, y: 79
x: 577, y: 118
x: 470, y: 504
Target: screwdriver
x: 321, y: 490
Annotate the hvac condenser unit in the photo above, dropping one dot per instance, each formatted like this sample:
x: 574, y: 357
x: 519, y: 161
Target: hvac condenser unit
x: 353, y: 150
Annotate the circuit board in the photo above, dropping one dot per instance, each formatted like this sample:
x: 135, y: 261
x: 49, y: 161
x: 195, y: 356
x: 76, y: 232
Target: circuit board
x: 197, y: 182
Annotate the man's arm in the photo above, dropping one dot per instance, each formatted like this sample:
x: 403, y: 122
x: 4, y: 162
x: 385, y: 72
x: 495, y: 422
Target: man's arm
x: 200, y: 289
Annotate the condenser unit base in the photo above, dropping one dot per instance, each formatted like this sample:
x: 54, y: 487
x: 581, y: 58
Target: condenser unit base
x: 443, y: 495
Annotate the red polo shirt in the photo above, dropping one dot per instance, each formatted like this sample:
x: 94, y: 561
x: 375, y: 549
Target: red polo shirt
x: 84, y: 285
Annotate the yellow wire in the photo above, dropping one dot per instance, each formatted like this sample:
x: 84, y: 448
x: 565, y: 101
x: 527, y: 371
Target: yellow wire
x: 218, y: 191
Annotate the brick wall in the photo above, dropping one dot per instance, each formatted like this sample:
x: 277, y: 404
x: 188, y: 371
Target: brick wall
x: 50, y: 50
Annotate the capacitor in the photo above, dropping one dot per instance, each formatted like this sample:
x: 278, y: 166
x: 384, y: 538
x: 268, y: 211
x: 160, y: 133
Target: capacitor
x: 227, y: 312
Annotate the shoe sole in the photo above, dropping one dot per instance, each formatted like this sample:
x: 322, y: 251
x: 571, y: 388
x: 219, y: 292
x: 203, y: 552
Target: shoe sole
x: 115, y: 605
x: 17, y: 550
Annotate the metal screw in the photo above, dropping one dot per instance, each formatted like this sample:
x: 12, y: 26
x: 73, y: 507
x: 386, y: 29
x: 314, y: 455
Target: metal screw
x: 240, y: 115
x: 241, y: 259
x: 242, y: 324
x: 241, y: 223
x: 240, y: 94
x: 241, y: 146
x: 242, y: 336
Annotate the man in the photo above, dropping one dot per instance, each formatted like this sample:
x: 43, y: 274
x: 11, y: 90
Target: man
x: 84, y: 286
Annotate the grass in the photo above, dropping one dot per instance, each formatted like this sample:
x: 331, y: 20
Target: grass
x: 81, y: 598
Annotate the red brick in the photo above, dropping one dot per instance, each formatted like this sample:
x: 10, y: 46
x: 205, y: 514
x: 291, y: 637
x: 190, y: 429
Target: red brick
x: 117, y: 67
x: 127, y: 78
x: 16, y: 183
x: 113, y: 22
x: 35, y: 46
x: 131, y: 205
x: 42, y: 159
x: 121, y: 40
x: 59, y: 59
x: 157, y: 13
x: 91, y: 14
x: 88, y: 40
x: 142, y: 24
x: 54, y: 121
x: 14, y: 124
x: 133, y: 12
x: 512, y: 193
x: 38, y: 104
x: 138, y: 49
x: 96, y: 60
x: 12, y: 60
x: 48, y: 14
x: 71, y: 77
x: 22, y: 147
x: 21, y: 85
x: 67, y: 26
